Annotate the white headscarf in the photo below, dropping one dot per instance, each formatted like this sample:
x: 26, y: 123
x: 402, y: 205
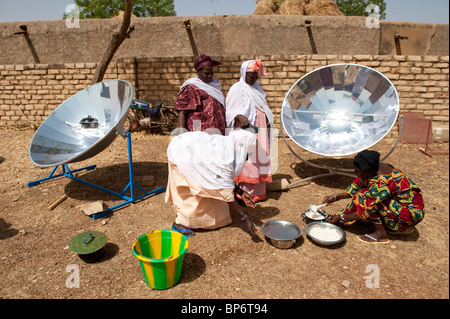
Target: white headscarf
x: 213, y: 88
x: 244, y: 99
x: 211, y: 160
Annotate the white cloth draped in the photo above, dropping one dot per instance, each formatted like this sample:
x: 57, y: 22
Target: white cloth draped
x: 212, y: 161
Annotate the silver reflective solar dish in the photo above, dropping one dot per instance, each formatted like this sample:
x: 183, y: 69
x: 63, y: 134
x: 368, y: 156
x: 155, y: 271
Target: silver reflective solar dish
x: 340, y: 109
x: 83, y: 125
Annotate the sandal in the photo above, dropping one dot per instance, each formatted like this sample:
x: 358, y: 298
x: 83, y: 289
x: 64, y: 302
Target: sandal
x: 373, y: 240
x: 406, y: 231
x: 184, y: 231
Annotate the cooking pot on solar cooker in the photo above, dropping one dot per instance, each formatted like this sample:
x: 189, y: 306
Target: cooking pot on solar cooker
x: 89, y: 122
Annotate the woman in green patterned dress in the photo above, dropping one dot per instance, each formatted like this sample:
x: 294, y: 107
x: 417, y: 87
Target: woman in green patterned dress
x: 382, y: 195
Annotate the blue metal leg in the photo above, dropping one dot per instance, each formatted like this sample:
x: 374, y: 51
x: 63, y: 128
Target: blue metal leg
x: 64, y: 168
x: 130, y: 186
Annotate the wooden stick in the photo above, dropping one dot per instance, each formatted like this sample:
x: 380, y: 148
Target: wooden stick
x: 57, y: 202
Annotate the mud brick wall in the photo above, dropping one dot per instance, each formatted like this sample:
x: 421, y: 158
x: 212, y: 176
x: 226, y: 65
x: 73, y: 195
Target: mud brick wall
x: 218, y: 35
x: 30, y: 92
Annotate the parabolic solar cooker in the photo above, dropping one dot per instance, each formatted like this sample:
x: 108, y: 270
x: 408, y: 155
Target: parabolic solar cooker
x: 82, y: 127
x: 339, y: 110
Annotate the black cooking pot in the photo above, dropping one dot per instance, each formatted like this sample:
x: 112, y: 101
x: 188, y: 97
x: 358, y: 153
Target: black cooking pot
x: 89, y: 122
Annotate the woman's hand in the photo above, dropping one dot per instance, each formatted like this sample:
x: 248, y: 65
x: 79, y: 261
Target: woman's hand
x: 234, y: 206
x: 334, y: 198
x: 248, y: 200
x: 329, y: 199
x: 333, y: 219
x: 250, y: 227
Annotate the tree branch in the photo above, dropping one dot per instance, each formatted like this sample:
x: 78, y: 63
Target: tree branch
x: 115, y: 43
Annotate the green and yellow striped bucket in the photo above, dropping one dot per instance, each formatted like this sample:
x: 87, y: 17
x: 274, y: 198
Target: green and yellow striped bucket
x: 160, y: 254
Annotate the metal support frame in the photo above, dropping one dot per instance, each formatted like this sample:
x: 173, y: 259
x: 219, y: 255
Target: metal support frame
x: 427, y: 150
x: 333, y: 170
x: 131, y: 186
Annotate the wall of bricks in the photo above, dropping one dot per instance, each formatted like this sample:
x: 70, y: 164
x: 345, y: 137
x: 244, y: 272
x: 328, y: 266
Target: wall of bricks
x: 29, y: 93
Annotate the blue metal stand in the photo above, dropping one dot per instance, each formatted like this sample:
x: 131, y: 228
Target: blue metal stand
x: 131, y: 186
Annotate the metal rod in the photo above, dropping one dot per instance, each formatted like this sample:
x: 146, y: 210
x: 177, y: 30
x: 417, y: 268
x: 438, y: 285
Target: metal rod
x: 331, y: 173
x: 400, y: 132
x: 427, y: 150
x: 130, y: 165
x: 51, y: 176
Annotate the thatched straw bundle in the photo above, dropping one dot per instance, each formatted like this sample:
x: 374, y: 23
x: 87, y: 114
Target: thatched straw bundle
x: 322, y: 8
x: 264, y: 7
x: 293, y: 7
x: 298, y: 7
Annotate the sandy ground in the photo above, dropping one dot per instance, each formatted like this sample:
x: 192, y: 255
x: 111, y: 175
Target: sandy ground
x: 36, y: 262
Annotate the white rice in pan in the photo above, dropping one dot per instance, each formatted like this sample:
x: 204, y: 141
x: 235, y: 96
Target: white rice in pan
x: 325, y: 233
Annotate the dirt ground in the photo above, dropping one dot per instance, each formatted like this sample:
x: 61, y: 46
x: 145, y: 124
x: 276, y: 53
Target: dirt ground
x: 35, y: 259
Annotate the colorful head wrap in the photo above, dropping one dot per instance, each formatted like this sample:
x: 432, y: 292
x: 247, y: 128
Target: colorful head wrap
x: 256, y: 66
x: 367, y: 161
x: 204, y: 60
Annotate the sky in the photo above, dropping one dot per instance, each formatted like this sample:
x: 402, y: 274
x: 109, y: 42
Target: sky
x: 423, y: 11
